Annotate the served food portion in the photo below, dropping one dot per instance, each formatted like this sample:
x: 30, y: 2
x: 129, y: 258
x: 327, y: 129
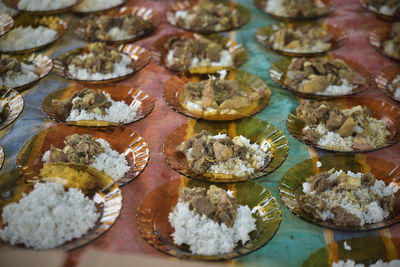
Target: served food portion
x: 394, y: 87
x: 219, y: 96
x: 391, y: 46
x: 97, y: 153
x: 89, y: 104
x: 210, y: 222
x: 296, y: 9
x: 44, y: 5
x: 207, y: 153
x: 8, y: 10
x: 386, y: 7
x: 88, y: 6
x: 348, y: 199
x: 16, y: 73
x: 338, y: 129
x: 210, y: 16
x: 302, y: 38
x: 186, y: 53
x: 322, y: 76
x: 99, y: 62
x: 107, y: 28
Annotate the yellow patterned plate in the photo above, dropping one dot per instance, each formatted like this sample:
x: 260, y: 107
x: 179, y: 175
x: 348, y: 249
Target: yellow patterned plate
x: 263, y: 34
x: 278, y: 72
x: 145, y: 13
x: 237, y: 51
x: 52, y: 22
x: 258, y: 131
x: 384, y: 79
x: 103, y: 192
x: 85, y: 11
x: 365, y: 4
x: 43, y: 66
x: 291, y: 184
x: 244, y: 14
x: 14, y: 4
x: 174, y: 88
x: 330, y: 5
x: 6, y: 23
x: 122, y: 139
x: 14, y: 104
x: 130, y: 95
x: 153, y: 225
x: 377, y: 38
x: 139, y: 56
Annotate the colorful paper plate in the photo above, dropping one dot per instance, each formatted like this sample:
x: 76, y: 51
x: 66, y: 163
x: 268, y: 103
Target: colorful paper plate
x: 77, y: 9
x: 365, y: 4
x: 106, y: 195
x: 174, y: 88
x: 244, y: 14
x: 122, y: 139
x: 384, y: 78
x: 379, y: 109
x: 130, y: 95
x: 139, y: 56
x: 13, y: 108
x: 153, y: 225
x: 258, y: 131
x: 237, y: 51
x: 52, y: 22
x: 378, y: 36
x: 145, y: 13
x: 263, y: 34
x: 261, y: 4
x: 6, y: 23
x: 279, y: 70
x: 43, y: 66
x: 291, y: 185
x: 14, y: 4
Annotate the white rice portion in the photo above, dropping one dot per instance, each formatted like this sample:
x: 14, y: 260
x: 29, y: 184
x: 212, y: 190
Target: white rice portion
x: 385, y: 10
x: 225, y: 60
x: 120, y: 69
x: 7, y: 10
x: 379, y: 263
x: 369, y: 212
x: 95, y: 5
x: 344, y: 88
x: 197, y: 108
x: 206, y: 237
x: 395, y: 91
x: 117, y: 33
x: 22, y: 38
x: 48, y: 217
x: 43, y: 5
x: 235, y: 166
x: 111, y: 162
x: 26, y: 76
x: 118, y: 112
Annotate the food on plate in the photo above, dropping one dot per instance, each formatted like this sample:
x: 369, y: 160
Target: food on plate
x: 379, y: 263
x: 88, y: 104
x: 7, y: 10
x: 392, y: 45
x: 84, y: 149
x: 44, y: 5
x: 22, y: 38
x: 107, y: 28
x: 48, y: 217
x: 296, y: 8
x: 218, y: 96
x: 210, y: 222
x: 15, y: 73
x: 341, y: 129
x: 100, y: 62
x: 207, y: 153
x: 322, y: 76
x: 96, y: 5
x: 306, y: 38
x: 386, y: 7
x: 347, y: 199
x: 394, y: 87
x: 208, y: 16
x: 4, y: 110
x: 185, y: 53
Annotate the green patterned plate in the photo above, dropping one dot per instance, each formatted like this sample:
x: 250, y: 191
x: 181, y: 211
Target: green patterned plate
x: 290, y: 187
x: 263, y: 34
x: 258, y: 131
x: 279, y: 70
x: 174, y: 88
x: 153, y: 225
x: 365, y: 250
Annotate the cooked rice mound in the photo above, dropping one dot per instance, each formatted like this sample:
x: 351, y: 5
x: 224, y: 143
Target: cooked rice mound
x: 48, y: 217
x: 95, y: 5
x: 44, y: 5
x: 379, y: 263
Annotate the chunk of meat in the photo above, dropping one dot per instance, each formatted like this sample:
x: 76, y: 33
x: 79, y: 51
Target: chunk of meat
x: 344, y: 219
x: 335, y: 120
x: 235, y: 102
x: 347, y: 128
x: 208, y: 95
x: 360, y: 142
x: 320, y: 182
x: 222, y: 152
x: 314, y: 85
x: 368, y: 179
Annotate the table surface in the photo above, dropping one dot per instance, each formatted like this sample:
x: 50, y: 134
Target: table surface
x: 295, y: 239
